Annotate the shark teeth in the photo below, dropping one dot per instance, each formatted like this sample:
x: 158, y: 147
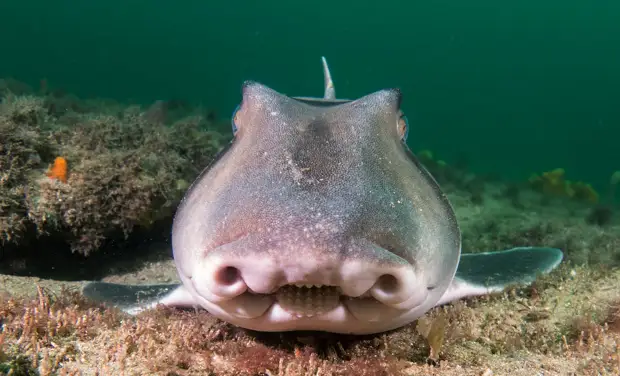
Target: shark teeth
x: 307, y: 285
x: 307, y: 300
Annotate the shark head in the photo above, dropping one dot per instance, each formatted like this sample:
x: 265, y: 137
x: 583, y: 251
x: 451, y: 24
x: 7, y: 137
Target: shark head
x: 316, y: 216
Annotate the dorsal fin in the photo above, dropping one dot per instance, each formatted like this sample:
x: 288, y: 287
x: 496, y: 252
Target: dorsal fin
x: 329, y: 97
x: 330, y: 90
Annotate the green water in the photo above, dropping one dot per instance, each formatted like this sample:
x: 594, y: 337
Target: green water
x: 516, y: 86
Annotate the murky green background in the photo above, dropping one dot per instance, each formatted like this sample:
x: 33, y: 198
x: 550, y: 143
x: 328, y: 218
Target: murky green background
x: 516, y: 86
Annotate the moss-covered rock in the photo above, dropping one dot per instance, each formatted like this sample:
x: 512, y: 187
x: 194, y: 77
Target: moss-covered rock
x: 124, y: 169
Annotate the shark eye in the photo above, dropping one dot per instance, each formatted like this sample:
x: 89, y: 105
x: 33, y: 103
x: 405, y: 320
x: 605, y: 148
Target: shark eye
x: 403, y: 128
x: 234, y: 120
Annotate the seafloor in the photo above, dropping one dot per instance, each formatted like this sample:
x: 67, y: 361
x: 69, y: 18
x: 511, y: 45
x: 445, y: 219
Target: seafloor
x: 567, y: 323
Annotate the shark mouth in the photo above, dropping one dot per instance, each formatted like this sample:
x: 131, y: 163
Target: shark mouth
x: 307, y: 300
x: 365, y: 296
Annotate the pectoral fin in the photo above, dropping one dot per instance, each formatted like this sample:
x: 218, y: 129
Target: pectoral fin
x: 136, y: 298
x: 489, y: 272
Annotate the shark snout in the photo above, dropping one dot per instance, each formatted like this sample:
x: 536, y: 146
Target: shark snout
x: 309, y: 285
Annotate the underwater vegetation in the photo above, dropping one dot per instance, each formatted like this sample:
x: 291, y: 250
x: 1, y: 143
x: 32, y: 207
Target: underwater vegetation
x: 550, y: 183
x: 86, y: 172
x: 554, y: 182
x: 562, y: 325
x: 602, y: 214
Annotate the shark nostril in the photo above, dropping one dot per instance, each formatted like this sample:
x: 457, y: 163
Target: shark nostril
x: 400, y: 289
x: 218, y: 282
x: 388, y: 284
x: 228, y: 276
x: 392, y: 289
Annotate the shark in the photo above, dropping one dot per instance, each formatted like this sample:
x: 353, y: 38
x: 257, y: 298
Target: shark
x: 317, y: 216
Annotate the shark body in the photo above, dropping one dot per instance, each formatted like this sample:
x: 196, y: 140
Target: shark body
x: 317, y: 216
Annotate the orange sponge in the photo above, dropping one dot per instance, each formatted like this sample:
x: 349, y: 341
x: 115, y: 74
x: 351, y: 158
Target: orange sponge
x: 58, y: 170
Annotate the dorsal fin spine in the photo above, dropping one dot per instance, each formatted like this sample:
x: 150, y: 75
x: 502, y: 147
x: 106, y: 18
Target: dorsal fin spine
x: 330, y: 90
